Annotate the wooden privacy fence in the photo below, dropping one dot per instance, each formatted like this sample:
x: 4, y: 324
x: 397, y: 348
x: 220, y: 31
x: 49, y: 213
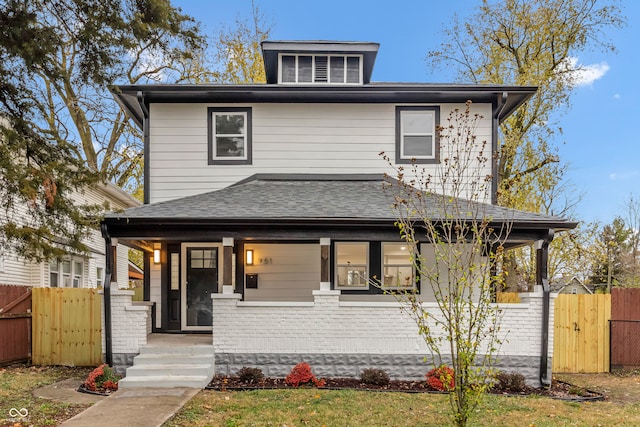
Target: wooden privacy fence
x: 581, y: 333
x: 625, y: 328
x: 15, y: 323
x: 67, y: 327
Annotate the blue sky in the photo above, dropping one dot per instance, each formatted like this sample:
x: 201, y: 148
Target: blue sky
x: 600, y: 141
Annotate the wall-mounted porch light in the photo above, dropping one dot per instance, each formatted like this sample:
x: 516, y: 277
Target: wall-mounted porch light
x: 249, y: 256
x: 156, y: 253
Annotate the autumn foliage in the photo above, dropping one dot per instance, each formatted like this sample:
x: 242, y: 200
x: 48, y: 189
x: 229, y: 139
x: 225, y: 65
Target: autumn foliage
x: 301, y: 375
x: 441, y: 378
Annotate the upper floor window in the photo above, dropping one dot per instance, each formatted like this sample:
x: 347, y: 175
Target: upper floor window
x: 322, y: 69
x: 229, y: 136
x: 416, y: 134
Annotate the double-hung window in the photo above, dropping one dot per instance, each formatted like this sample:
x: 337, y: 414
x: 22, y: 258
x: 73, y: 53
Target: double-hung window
x: 416, y: 134
x: 229, y: 136
x: 352, y: 265
x: 397, y: 267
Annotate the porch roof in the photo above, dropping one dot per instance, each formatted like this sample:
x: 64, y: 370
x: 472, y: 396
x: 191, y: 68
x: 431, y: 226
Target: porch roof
x: 295, y: 198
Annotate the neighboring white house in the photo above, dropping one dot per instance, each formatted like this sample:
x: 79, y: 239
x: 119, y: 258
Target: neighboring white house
x: 264, y: 207
x: 73, y: 271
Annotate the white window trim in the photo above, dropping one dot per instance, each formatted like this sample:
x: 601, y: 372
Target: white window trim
x: 336, y: 266
x: 214, y: 159
x: 401, y: 157
x: 99, y: 276
x: 313, y: 69
x: 215, y: 135
x: 72, y: 273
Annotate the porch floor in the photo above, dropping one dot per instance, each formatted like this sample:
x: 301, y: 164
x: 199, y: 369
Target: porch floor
x: 171, y: 340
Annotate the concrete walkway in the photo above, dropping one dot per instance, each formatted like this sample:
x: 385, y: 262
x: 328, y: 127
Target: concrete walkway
x: 146, y: 407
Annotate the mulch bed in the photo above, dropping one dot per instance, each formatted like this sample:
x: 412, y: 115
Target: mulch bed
x: 83, y: 389
x: 558, y: 390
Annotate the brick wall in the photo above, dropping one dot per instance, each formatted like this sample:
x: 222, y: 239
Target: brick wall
x: 328, y: 326
x: 130, y: 326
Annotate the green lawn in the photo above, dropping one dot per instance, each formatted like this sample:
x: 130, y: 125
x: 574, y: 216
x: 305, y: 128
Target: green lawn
x: 16, y: 392
x: 311, y: 407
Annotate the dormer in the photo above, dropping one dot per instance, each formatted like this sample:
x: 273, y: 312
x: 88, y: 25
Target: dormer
x: 319, y: 62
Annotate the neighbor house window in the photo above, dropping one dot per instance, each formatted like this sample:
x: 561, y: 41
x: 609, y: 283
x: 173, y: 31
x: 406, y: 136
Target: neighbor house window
x: 229, y: 136
x: 352, y: 265
x: 99, y: 276
x: 397, y: 267
x: 416, y: 134
x: 54, y: 274
x: 323, y: 69
x: 66, y: 273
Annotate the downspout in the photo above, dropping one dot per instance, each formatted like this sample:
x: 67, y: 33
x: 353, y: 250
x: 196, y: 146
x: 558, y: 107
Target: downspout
x: 108, y: 343
x: 494, y: 145
x: 542, y: 279
x: 145, y: 141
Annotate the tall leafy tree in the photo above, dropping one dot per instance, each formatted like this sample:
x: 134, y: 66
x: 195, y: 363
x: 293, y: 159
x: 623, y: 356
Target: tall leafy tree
x: 238, y: 51
x: 91, y: 45
x: 61, y: 130
x: 537, y: 43
x: 528, y: 42
x: 612, y: 246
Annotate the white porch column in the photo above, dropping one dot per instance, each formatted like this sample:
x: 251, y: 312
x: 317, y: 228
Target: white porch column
x: 325, y: 280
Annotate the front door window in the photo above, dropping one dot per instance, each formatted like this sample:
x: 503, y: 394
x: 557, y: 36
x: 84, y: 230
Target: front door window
x: 202, y: 281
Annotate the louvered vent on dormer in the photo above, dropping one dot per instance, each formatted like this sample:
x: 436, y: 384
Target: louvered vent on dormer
x: 321, y: 69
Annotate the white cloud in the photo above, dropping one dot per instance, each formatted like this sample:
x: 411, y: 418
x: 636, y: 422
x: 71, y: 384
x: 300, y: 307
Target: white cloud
x: 624, y: 176
x: 616, y: 96
x: 585, y: 75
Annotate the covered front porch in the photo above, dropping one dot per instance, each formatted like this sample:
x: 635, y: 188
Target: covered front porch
x: 278, y: 269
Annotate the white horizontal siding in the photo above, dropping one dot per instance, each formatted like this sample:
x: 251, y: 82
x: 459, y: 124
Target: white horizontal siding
x: 286, y: 138
x: 22, y: 272
x: 291, y: 273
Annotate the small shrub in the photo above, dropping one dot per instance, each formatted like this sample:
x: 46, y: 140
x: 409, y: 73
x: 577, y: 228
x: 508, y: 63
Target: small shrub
x: 102, y: 378
x: 301, y: 375
x: 441, y: 378
x: 510, y: 381
x: 249, y: 375
x: 374, y: 377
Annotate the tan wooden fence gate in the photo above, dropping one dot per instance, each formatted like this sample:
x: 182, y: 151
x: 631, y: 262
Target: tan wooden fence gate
x: 581, y: 333
x: 67, y: 327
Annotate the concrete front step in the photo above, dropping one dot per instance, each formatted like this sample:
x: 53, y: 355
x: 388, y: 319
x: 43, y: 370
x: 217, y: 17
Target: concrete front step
x: 164, y: 381
x: 169, y: 369
x: 162, y: 366
x: 182, y: 350
x: 172, y: 359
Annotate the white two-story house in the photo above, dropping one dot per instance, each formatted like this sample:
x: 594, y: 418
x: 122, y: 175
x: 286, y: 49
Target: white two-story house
x: 75, y: 270
x: 264, y: 215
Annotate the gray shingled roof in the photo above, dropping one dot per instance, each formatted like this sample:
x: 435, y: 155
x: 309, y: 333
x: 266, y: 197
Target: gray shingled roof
x: 321, y: 197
